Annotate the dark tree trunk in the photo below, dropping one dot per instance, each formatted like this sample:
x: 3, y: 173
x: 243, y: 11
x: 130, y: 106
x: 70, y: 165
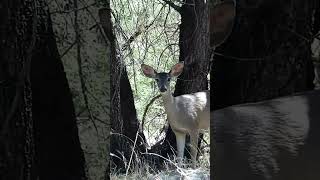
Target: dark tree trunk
x: 124, y: 122
x: 267, y: 55
x: 316, y: 20
x: 57, y: 142
x: 29, y: 55
x: 194, y: 51
x: 194, y: 47
x: 17, y: 43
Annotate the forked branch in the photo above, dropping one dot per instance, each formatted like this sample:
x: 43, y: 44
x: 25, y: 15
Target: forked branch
x: 174, y: 6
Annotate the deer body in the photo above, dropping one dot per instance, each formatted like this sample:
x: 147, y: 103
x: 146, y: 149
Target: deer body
x: 188, y: 112
x: 271, y: 140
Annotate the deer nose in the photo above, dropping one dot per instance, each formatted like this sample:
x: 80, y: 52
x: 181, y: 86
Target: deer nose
x: 163, y: 89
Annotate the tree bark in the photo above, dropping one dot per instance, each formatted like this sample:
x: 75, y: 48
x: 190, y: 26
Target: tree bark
x: 267, y: 55
x: 124, y: 122
x: 45, y: 145
x: 57, y: 142
x: 17, y: 43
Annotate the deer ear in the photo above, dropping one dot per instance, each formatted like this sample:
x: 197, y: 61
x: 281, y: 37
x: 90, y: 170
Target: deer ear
x: 148, y: 71
x: 221, y: 22
x: 176, y: 70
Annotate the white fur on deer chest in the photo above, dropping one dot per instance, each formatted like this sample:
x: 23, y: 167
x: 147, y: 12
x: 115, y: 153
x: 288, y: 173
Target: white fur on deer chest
x: 188, y: 112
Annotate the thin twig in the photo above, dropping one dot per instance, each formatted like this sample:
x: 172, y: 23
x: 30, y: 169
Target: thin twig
x: 146, y: 110
x: 134, y: 145
x: 140, y: 30
x: 68, y: 49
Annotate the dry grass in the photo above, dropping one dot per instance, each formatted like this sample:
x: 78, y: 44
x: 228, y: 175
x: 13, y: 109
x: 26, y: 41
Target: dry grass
x: 172, y: 170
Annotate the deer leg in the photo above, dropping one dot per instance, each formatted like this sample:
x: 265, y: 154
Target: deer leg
x: 194, y: 135
x: 181, y: 141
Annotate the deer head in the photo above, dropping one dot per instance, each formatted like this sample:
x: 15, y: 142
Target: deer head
x: 163, y: 79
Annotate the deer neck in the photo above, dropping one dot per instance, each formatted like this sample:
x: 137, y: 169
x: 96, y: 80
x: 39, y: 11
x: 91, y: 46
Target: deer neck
x: 169, y: 103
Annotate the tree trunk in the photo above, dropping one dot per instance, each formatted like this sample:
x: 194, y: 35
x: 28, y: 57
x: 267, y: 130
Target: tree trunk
x: 17, y: 44
x: 316, y: 16
x: 57, y: 142
x: 28, y: 40
x: 267, y: 55
x: 194, y: 47
x: 124, y: 122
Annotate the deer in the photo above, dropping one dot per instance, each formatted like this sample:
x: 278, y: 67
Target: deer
x: 187, y: 114
x: 190, y: 113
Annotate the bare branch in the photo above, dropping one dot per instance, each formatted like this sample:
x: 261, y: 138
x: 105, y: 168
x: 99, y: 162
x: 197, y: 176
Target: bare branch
x: 140, y: 30
x: 146, y: 110
x: 174, y: 6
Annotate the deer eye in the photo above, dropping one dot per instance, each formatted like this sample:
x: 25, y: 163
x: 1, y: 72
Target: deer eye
x: 157, y: 80
x: 169, y: 79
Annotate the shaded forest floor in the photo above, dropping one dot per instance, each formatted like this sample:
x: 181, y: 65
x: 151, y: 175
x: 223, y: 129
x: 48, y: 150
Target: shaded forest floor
x: 143, y: 172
